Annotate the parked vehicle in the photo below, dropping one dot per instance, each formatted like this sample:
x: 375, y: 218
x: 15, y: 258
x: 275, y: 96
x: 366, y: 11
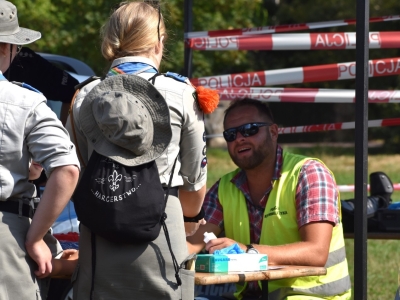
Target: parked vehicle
x: 74, y: 66
x: 78, y: 69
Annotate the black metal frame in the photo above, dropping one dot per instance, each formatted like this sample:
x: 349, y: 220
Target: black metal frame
x: 361, y: 151
x: 188, y: 25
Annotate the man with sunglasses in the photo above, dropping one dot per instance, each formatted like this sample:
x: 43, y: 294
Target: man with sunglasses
x: 276, y: 203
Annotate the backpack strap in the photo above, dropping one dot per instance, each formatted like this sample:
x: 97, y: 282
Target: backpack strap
x: 93, y: 244
x: 85, y: 82
x: 164, y: 226
x: 71, y: 109
x: 71, y: 113
x: 170, y: 181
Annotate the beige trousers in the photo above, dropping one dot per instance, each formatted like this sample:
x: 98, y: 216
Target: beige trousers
x: 136, y: 271
x: 17, y: 280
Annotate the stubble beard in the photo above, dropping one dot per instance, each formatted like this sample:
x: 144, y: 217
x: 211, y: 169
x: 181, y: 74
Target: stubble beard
x: 259, y: 155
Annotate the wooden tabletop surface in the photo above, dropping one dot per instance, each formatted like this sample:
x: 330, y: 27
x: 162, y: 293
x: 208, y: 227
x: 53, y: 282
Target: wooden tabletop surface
x: 275, y: 272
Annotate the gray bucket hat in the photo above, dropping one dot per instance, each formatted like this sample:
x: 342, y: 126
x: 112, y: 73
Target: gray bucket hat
x: 126, y: 119
x: 10, y: 32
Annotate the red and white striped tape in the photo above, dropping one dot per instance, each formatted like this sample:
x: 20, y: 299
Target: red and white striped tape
x: 329, y: 127
x: 350, y: 188
x: 283, y: 28
x: 339, y: 71
x: 337, y: 126
x: 306, y: 95
x: 295, y: 41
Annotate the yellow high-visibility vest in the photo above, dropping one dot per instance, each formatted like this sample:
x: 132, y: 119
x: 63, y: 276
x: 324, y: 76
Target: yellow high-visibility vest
x: 280, y: 227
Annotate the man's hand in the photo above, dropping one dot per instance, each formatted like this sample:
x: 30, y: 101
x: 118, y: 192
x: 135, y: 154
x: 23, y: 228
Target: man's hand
x: 192, y: 227
x: 66, y: 264
x: 70, y: 254
x: 220, y: 243
x: 41, y: 254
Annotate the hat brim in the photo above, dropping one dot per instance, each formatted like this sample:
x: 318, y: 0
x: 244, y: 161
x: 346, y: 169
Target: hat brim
x: 23, y: 37
x: 155, y: 104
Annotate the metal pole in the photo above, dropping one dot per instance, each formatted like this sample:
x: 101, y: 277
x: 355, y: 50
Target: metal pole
x: 188, y: 25
x: 361, y: 151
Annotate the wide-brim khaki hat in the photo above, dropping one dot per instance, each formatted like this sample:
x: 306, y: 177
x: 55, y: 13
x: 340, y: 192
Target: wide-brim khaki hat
x: 126, y: 119
x: 10, y: 32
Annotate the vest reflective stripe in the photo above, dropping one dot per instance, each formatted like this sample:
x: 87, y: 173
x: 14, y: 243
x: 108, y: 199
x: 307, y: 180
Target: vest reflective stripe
x: 335, y: 257
x: 280, y: 227
x: 304, y: 294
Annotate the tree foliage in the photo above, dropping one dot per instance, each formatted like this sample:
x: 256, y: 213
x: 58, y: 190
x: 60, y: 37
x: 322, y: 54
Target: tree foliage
x: 71, y: 28
x: 68, y: 27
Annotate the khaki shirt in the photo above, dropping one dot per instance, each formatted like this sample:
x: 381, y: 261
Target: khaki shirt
x: 188, y: 132
x: 30, y: 130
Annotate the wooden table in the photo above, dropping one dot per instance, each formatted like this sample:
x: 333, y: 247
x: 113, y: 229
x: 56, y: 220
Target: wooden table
x: 275, y: 272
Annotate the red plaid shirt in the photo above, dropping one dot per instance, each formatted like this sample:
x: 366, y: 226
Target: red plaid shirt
x: 316, y: 199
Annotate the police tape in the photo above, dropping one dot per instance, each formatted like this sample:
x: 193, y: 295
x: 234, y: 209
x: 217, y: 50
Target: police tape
x: 283, y: 28
x: 328, y: 72
x: 328, y: 127
x: 350, y: 188
x: 306, y: 95
x: 337, y: 126
x: 295, y: 41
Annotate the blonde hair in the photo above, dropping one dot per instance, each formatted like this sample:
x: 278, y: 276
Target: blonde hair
x: 132, y: 30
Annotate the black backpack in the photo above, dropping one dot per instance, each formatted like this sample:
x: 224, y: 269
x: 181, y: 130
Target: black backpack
x: 120, y: 203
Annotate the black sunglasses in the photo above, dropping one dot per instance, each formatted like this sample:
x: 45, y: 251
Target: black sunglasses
x: 245, y: 130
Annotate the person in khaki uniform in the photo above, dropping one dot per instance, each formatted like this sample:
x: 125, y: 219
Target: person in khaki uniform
x: 29, y: 131
x: 133, y: 41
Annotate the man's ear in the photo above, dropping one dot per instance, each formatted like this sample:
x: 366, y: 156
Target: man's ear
x: 273, y: 130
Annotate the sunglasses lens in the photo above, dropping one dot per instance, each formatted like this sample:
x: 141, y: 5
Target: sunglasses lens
x: 230, y: 134
x: 245, y: 130
x: 248, y: 130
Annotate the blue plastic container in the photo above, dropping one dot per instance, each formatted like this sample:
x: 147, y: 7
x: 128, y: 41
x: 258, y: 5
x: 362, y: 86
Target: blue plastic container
x: 395, y: 205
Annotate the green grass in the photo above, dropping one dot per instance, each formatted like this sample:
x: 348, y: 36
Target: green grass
x: 383, y: 261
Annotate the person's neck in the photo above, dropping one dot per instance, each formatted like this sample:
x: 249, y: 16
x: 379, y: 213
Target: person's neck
x: 155, y: 61
x: 259, y: 179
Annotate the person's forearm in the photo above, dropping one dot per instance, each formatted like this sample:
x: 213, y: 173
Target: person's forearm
x: 301, y: 253
x: 63, y: 267
x: 194, y: 248
x: 58, y: 191
x: 192, y: 201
